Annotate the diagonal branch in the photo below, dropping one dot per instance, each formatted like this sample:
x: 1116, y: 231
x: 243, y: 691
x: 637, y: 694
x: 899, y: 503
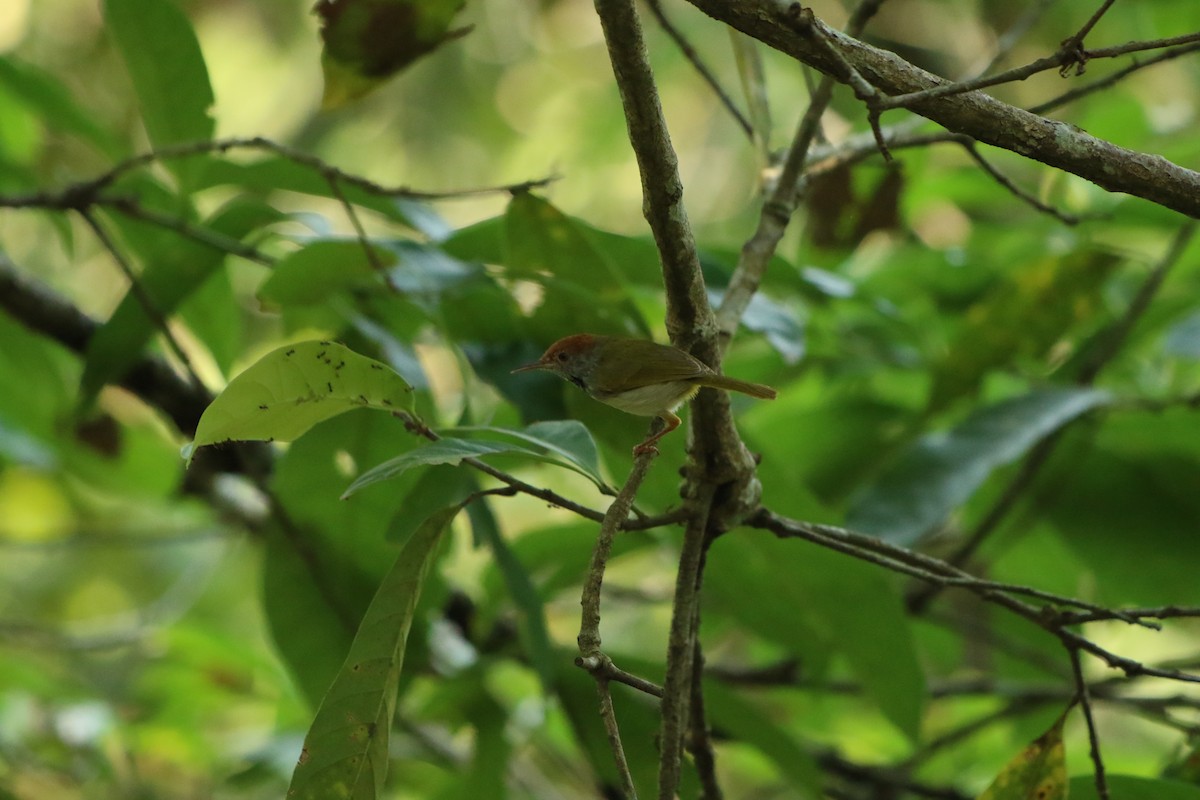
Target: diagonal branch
x: 984, y: 118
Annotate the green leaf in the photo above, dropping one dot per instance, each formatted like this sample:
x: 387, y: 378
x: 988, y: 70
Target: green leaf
x: 780, y: 324
x: 44, y: 94
x: 562, y: 441
x: 1128, y: 787
x: 567, y: 438
x: 308, y: 276
x: 1116, y: 507
x: 345, y: 753
x: 868, y: 624
x: 1039, y: 771
x: 163, y: 57
x: 443, y: 451
x: 942, y: 470
x: 730, y: 712
x: 545, y: 244
x: 296, y: 386
x: 787, y: 620
x: 368, y: 41
x: 311, y: 628
x: 531, y: 621
x: 822, y: 602
x: 435, y: 488
x: 321, y: 570
x: 1024, y: 316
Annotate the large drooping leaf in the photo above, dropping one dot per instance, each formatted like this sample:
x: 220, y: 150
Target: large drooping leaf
x: 368, y: 41
x: 1039, y: 771
x: 345, y: 753
x: 942, y: 470
x: 296, y: 386
x: 163, y: 57
x: 822, y: 603
x: 320, y: 268
x: 1119, y: 507
x: 868, y: 624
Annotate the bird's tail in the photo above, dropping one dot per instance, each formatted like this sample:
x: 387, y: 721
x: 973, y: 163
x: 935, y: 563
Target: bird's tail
x: 734, y: 385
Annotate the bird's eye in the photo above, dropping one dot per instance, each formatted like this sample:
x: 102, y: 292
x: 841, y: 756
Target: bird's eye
x: 562, y: 356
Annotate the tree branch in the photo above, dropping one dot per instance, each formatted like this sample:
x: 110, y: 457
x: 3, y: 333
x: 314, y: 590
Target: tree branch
x: 1056, y: 144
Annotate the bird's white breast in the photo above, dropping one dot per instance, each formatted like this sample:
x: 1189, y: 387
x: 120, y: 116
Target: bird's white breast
x: 649, y: 401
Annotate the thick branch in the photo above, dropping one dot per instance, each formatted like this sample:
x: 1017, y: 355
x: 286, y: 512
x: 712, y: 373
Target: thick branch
x: 1056, y: 144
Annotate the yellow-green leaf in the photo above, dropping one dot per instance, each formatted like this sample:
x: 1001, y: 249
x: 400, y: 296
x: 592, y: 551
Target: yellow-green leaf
x: 345, y: 753
x: 1039, y: 772
x: 291, y: 389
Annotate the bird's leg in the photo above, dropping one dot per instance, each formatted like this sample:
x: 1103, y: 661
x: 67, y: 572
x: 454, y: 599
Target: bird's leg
x: 670, y: 423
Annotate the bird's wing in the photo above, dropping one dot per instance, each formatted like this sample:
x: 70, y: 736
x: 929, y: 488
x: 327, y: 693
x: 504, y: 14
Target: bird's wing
x: 644, y: 363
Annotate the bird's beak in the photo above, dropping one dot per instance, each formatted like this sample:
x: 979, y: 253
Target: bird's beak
x: 529, y: 367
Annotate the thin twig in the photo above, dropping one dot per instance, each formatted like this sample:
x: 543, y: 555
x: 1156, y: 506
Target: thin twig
x: 143, y: 298
x: 72, y: 196
x: 188, y: 230
x: 1002, y: 179
x: 361, y: 234
x: 602, y: 667
x: 618, y: 512
x: 1149, y: 44
x: 609, y: 715
x: 681, y: 644
x: 808, y: 25
x: 935, y: 571
x: 698, y: 64
x: 1091, y: 23
x: 1110, y: 80
x: 1070, y: 54
x: 699, y: 739
x: 1085, y: 703
x: 899, y: 559
x: 589, y: 627
x: 774, y: 217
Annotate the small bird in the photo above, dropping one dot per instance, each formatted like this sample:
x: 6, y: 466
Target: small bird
x: 637, y: 376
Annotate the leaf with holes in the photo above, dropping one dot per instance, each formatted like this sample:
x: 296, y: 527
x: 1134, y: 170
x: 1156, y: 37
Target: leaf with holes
x: 1039, y: 772
x: 368, y: 41
x: 291, y: 389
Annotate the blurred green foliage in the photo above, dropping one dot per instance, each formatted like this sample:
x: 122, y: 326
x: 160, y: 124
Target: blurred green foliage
x: 924, y: 328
